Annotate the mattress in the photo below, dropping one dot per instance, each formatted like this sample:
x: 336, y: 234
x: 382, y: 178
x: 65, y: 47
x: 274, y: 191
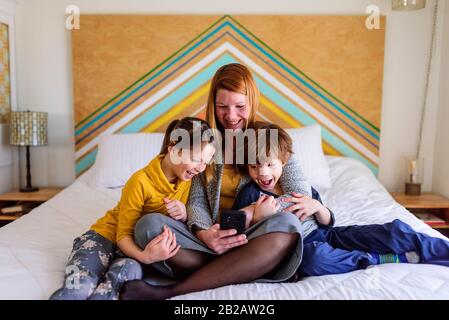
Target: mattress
x: 34, y: 249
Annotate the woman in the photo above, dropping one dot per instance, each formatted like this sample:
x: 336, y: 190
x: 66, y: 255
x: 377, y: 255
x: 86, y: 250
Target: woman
x: 205, y: 260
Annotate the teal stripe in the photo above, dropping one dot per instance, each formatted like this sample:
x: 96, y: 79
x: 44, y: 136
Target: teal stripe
x: 166, y: 104
x: 227, y: 23
x: 176, y: 97
x: 142, y: 84
x: 305, y: 119
x: 86, y: 162
x: 285, y: 68
x: 149, y: 116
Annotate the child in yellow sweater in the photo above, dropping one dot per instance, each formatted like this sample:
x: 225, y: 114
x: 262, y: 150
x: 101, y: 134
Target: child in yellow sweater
x: 97, y: 267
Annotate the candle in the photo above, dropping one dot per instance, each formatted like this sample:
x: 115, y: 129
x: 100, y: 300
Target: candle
x: 414, y: 167
x: 413, y: 170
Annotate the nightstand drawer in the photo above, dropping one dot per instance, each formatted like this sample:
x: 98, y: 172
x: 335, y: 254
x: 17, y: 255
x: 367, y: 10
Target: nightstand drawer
x: 20, y: 203
x: 429, y: 204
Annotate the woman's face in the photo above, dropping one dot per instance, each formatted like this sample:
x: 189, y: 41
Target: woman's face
x: 232, y: 109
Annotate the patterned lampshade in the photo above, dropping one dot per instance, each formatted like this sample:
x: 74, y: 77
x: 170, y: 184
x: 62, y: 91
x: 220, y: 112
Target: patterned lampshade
x: 28, y: 128
x: 408, y: 5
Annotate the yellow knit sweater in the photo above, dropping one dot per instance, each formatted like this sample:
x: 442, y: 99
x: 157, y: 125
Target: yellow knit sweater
x: 143, y: 193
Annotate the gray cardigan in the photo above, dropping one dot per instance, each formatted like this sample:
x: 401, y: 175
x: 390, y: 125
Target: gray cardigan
x: 204, y: 199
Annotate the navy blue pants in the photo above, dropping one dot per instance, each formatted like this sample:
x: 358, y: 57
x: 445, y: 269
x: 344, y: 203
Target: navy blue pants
x: 333, y: 250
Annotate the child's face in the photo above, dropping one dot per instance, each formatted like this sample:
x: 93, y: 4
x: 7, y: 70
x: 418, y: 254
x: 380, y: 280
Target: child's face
x: 267, y: 174
x: 188, y: 168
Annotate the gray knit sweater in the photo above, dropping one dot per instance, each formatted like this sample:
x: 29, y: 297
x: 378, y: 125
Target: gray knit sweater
x: 204, y: 199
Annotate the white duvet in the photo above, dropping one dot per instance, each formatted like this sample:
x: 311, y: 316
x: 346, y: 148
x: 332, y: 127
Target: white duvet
x: 34, y: 249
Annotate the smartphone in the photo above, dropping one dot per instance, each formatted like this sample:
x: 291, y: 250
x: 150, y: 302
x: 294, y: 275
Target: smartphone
x: 233, y: 219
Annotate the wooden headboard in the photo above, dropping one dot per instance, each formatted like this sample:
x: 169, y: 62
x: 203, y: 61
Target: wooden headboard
x: 135, y: 73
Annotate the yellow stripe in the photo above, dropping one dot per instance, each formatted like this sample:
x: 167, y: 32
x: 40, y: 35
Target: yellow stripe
x: 177, y: 109
x: 329, y: 150
x: 276, y: 110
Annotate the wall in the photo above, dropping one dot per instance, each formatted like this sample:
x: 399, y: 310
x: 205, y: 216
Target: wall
x: 441, y: 165
x: 44, y: 72
x: 8, y: 154
x: 5, y: 160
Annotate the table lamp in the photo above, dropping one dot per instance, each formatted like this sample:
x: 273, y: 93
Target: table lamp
x: 28, y: 128
x: 408, y: 5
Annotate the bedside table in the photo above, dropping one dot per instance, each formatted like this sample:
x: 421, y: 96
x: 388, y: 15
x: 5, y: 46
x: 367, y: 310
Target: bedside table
x: 33, y: 199
x: 427, y: 203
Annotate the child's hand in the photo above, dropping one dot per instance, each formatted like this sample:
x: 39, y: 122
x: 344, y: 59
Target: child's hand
x: 265, y: 206
x: 176, y: 209
x: 249, y: 212
x: 161, y: 248
x: 304, y: 206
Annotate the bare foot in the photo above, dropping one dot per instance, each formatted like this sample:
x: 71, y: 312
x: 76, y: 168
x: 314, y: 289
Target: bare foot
x: 140, y: 290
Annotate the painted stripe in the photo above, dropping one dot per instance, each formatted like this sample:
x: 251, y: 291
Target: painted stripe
x: 172, y: 112
x: 328, y: 136
x: 260, y: 49
x: 303, y: 117
x: 266, y: 88
x: 273, y: 108
x: 327, y: 149
x: 328, y: 109
x: 198, y: 111
x: 79, y: 131
x: 303, y: 81
x: 84, y: 163
x: 155, y: 68
x: 151, y: 100
x: 175, y: 97
x: 304, y: 104
x: 166, y: 77
x: 263, y: 117
x: 302, y: 73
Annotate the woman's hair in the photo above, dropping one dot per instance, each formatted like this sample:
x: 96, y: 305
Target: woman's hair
x: 192, y: 126
x: 268, y: 141
x: 237, y: 78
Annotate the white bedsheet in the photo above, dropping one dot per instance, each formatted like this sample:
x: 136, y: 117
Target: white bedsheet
x: 34, y: 249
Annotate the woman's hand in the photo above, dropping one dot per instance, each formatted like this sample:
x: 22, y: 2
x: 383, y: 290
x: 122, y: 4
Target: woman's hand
x: 161, y: 248
x: 304, y: 207
x: 265, y: 206
x: 176, y: 209
x: 221, y: 241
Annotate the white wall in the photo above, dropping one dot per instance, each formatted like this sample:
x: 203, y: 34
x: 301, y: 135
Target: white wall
x: 5, y: 160
x: 441, y: 166
x: 44, y: 72
x: 8, y: 154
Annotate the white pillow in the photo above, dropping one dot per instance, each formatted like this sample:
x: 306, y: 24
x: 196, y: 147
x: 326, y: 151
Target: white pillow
x: 308, y: 151
x: 120, y: 155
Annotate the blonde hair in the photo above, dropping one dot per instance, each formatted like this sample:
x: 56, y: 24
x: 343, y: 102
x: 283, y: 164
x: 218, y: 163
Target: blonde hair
x: 237, y: 78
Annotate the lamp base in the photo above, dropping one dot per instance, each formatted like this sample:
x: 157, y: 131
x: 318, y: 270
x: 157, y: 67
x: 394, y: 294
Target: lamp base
x: 413, y: 189
x: 29, y: 189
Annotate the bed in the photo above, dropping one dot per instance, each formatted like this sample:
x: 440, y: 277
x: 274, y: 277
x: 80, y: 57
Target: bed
x: 34, y: 249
